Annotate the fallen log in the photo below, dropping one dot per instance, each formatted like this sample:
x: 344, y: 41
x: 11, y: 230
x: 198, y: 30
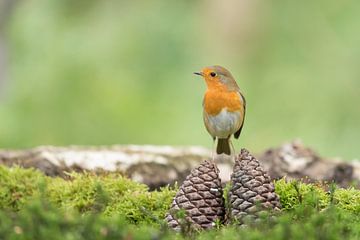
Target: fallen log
x: 296, y: 161
x: 153, y: 165
x: 158, y: 166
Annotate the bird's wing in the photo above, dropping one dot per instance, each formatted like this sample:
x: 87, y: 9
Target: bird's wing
x: 237, y: 133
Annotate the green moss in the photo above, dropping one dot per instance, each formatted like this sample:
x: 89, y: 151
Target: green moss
x: 38, y: 220
x: 81, y: 190
x: 142, y: 206
x: 294, y: 193
x: 86, y: 192
x: 348, y: 199
x: 109, y: 206
x: 110, y: 193
x: 17, y: 185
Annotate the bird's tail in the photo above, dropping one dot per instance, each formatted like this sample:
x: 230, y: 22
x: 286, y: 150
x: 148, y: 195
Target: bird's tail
x: 223, y: 146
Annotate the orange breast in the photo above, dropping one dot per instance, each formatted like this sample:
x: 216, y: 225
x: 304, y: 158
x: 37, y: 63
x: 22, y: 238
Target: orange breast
x: 215, y: 101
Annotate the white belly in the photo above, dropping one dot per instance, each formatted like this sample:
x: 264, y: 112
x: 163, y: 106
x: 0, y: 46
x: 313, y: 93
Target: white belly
x: 224, y: 124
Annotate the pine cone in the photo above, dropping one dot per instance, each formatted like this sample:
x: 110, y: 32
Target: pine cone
x: 201, y: 197
x: 251, y: 189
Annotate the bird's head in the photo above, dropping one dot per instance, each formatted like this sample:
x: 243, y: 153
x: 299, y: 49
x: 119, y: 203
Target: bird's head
x: 218, y: 77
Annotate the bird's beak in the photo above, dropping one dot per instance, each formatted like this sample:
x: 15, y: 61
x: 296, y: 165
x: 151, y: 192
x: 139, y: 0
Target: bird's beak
x: 198, y: 73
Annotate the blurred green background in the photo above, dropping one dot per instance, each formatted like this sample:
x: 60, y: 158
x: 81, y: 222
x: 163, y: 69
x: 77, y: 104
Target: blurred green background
x: 120, y: 72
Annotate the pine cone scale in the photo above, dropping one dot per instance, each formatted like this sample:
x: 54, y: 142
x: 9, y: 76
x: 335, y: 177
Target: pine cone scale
x: 201, y: 194
x: 251, y: 189
x: 201, y: 197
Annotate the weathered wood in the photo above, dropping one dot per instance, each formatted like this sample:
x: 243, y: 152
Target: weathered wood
x: 154, y: 165
x: 295, y: 161
x: 161, y: 165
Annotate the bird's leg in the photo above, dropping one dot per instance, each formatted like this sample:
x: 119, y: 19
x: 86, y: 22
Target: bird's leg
x: 213, y: 155
x: 213, y: 149
x: 233, y: 149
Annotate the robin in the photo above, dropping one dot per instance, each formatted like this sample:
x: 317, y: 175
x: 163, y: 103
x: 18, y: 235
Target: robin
x: 224, y: 106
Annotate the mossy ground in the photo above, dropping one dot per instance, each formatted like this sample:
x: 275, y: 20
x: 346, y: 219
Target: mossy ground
x: 88, y: 206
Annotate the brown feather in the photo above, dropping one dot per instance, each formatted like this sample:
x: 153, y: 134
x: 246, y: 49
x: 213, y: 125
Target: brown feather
x: 223, y: 146
x: 237, y: 134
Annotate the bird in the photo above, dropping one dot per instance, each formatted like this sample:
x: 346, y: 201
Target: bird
x: 223, y: 107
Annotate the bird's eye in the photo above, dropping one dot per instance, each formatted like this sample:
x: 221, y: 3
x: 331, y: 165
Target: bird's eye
x: 212, y: 74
